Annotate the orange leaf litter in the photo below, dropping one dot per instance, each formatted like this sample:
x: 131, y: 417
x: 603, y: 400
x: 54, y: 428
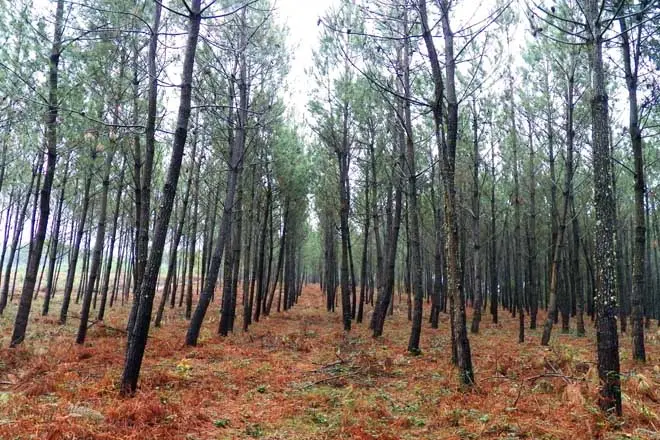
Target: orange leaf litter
x: 296, y: 375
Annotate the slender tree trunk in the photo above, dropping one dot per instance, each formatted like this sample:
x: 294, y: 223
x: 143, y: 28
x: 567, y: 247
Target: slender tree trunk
x: 560, y: 237
x: 98, y: 251
x: 447, y: 147
x: 517, y: 264
x: 177, y: 237
x: 606, y: 334
x: 20, y: 324
x: 575, y: 268
x: 111, y: 249
x: 138, y: 335
x: 476, y: 239
x: 230, y: 271
x: 438, y: 263
x: 75, y: 249
x: 385, y: 297
x: 247, y: 298
x: 280, y: 258
x: 235, y: 168
x: 639, y: 242
x: 344, y: 274
x: 365, y: 247
x: 18, y: 229
x: 144, y: 171
x: 261, y: 281
x: 494, y: 286
x: 533, y: 268
x: 193, y: 244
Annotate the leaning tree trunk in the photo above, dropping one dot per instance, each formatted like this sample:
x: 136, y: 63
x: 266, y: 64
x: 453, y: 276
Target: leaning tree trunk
x: 177, y: 238
x: 138, y: 335
x: 23, y: 313
x: 211, y: 274
x: 144, y: 170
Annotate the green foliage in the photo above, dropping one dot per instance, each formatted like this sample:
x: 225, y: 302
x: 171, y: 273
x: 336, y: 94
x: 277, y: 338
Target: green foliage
x: 221, y: 423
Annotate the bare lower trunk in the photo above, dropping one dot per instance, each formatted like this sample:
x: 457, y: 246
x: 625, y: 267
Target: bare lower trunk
x: 97, y: 253
x: 630, y: 63
x: 138, y: 335
x: 23, y: 313
x: 606, y: 334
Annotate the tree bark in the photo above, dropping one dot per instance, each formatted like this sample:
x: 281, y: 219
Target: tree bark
x: 237, y: 145
x: 97, y: 253
x: 476, y: 239
x: 447, y: 147
x: 630, y: 65
x: 23, y: 313
x: 18, y: 230
x: 144, y: 170
x: 606, y: 333
x: 138, y: 335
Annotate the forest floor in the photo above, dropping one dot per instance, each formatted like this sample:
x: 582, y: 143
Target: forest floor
x: 296, y: 375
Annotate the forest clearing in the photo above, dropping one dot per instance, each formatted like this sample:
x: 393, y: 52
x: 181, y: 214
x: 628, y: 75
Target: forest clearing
x: 298, y: 376
x: 342, y: 219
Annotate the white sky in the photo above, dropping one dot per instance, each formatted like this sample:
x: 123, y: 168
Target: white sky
x: 301, y: 16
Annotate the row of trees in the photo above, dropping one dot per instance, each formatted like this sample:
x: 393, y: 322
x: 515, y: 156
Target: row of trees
x: 458, y: 173
x: 466, y: 173
x: 107, y: 200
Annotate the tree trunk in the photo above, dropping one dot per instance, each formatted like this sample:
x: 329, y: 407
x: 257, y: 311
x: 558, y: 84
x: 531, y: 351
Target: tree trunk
x: 18, y: 230
x: 447, y: 147
x: 262, y: 287
x: 534, y: 273
x: 639, y: 242
x: 111, y: 248
x: 235, y: 168
x: 144, y: 171
x: 98, y: 251
x: 177, y: 237
x: 365, y: 247
x: 517, y: 201
x: 606, y: 334
x: 193, y: 244
x: 476, y: 240
x: 20, y: 324
x: 494, y: 286
x: 413, y: 211
x: 138, y: 335
x: 75, y: 249
x: 385, y: 297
